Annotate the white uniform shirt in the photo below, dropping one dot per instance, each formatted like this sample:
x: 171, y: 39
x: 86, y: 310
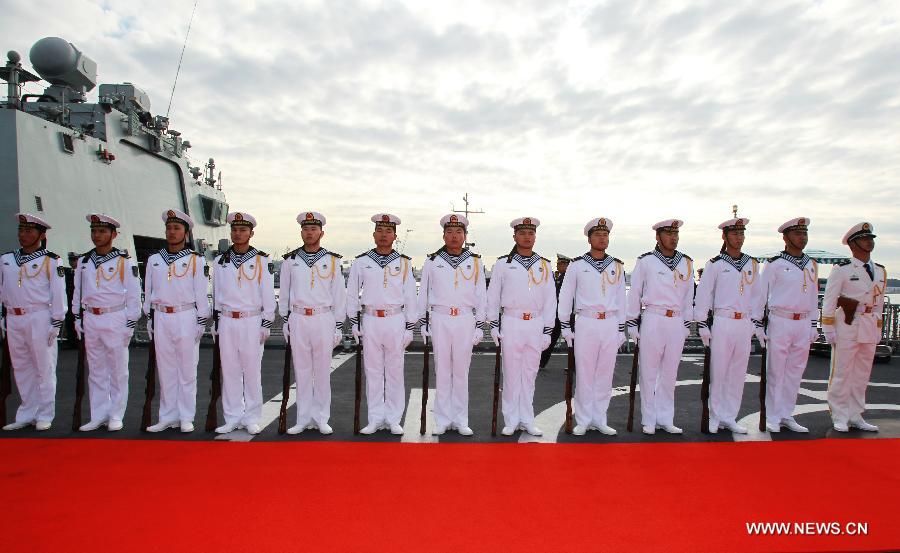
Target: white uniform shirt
x: 245, y: 282
x: 32, y: 280
x: 107, y: 281
x: 313, y: 280
x: 661, y: 282
x: 850, y: 279
x: 732, y: 284
x: 596, y: 285
x: 792, y: 284
x: 176, y: 279
x: 453, y: 281
x: 522, y: 285
x: 382, y: 281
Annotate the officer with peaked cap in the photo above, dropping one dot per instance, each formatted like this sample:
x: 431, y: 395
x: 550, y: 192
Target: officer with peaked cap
x: 107, y: 305
x: 32, y: 289
x: 381, y: 287
x: 731, y: 292
x: 244, y: 298
x: 562, y: 263
x: 522, y: 309
x: 453, y: 295
x: 852, y: 319
x: 790, y: 283
x: 663, y: 285
x: 594, y: 290
x: 313, y: 303
x: 175, y: 293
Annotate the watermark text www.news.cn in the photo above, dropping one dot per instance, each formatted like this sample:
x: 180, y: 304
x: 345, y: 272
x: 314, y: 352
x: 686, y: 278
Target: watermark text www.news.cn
x: 833, y: 528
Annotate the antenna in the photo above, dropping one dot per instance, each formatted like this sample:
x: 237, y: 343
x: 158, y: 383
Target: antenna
x: 734, y: 210
x: 467, y: 211
x: 180, y: 58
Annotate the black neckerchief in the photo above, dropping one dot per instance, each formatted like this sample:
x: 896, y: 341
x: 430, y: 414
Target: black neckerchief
x: 23, y: 258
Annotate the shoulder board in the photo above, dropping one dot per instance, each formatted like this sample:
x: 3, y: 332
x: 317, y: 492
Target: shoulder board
x: 645, y: 255
x: 503, y: 256
x: 431, y: 256
x: 476, y: 255
x: 405, y: 256
x: 85, y: 256
x: 337, y: 255
x: 262, y: 253
x: 686, y: 256
x: 363, y: 254
x: 880, y: 265
x: 843, y: 262
x: 124, y: 253
x: 617, y: 260
x: 545, y: 259
x: 714, y: 259
x: 52, y: 255
x: 774, y: 258
x: 290, y: 254
x: 198, y: 254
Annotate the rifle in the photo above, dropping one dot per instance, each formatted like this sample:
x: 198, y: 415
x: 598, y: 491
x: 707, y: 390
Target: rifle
x: 79, y: 382
x: 425, y: 370
x: 570, y: 371
x: 497, y: 365
x: 285, y: 388
x: 762, y: 382
x: 5, y: 377
x: 631, y: 391
x: 215, y: 378
x: 359, y: 368
x: 150, y: 387
x: 704, y: 392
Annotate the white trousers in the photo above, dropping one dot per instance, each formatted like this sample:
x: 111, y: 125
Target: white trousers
x: 312, y: 341
x: 383, y: 360
x: 521, y: 353
x: 451, y: 338
x: 729, y: 352
x: 785, y: 362
x: 241, y: 355
x: 661, y: 345
x: 851, y: 365
x: 107, y: 360
x: 596, y: 346
x: 34, y: 365
x: 177, y: 354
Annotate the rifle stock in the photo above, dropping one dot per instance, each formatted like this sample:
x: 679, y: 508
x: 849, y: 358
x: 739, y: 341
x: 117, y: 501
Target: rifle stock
x: 497, y: 367
x: 285, y: 389
x: 633, y: 387
x: 358, y: 380
x: 762, y: 383
x: 150, y: 378
x: 5, y: 380
x: 425, y: 370
x: 704, y: 392
x: 570, y: 371
x: 79, y: 384
x: 215, y: 378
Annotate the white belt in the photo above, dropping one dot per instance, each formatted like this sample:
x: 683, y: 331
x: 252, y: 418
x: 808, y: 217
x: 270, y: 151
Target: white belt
x: 310, y: 311
x: 26, y: 310
x: 662, y: 311
x: 240, y: 314
x: 162, y: 308
x: 732, y: 314
x: 785, y: 314
x: 384, y: 312
x: 452, y: 311
x: 593, y: 314
x: 103, y: 310
x: 524, y: 315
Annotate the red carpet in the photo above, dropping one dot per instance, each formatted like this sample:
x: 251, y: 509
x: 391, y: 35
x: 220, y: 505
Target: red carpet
x: 111, y: 495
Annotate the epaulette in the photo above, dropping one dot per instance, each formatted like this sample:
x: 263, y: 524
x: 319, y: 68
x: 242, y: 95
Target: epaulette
x: 337, y: 255
x: 124, y: 253
x: 52, y: 255
x: 290, y: 254
x: 405, y: 257
x: 262, y: 253
x: 843, y: 262
x: 879, y: 264
x: 619, y: 261
x: 545, y: 259
x: 716, y: 258
x: 476, y: 255
x: 686, y: 256
x: 363, y: 254
x: 431, y: 256
x: 502, y: 256
x: 775, y: 258
x: 645, y: 255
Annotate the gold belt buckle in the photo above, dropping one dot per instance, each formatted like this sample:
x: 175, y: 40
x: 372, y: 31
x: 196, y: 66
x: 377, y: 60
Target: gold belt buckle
x: 18, y: 311
x: 738, y: 315
x: 601, y: 315
x: 795, y: 316
x: 235, y: 314
x: 97, y: 310
x: 308, y: 311
x: 379, y: 312
x: 670, y: 313
x: 454, y: 311
x: 868, y: 309
x: 526, y: 316
x: 168, y: 309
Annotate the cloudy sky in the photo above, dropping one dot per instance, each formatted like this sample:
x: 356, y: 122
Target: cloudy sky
x: 636, y: 111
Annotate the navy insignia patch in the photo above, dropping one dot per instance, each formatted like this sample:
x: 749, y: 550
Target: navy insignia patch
x: 61, y: 271
x: 134, y: 270
x: 271, y: 268
x: 206, y: 271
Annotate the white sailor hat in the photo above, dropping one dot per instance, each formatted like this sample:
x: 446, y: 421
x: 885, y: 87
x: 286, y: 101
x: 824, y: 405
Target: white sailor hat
x: 175, y: 216
x: 525, y: 223
x: 600, y: 223
x: 453, y: 220
x: 311, y: 218
x: 734, y: 224
x: 563, y: 258
x: 27, y: 220
x: 668, y: 225
x: 99, y: 220
x: 385, y: 220
x: 859, y: 230
x: 241, y: 219
x: 800, y: 223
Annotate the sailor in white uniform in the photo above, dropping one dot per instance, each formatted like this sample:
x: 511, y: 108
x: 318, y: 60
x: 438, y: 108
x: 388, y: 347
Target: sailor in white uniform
x: 244, y: 300
x: 107, y: 305
x: 730, y: 290
x: 594, y: 292
x: 313, y: 304
x: 861, y: 281
x: 381, y: 287
x: 522, y: 311
x: 791, y: 290
x: 663, y: 285
x: 452, y: 303
x: 176, y: 285
x: 33, y: 292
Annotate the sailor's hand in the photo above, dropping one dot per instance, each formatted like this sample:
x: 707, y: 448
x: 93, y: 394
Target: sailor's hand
x: 407, y: 338
x: 264, y: 333
x: 338, y: 337
x: 545, y: 341
x: 621, y: 339
x: 357, y: 333
x: 634, y: 334
x: 477, y: 336
x: 149, y: 328
x: 568, y: 336
x: 286, y: 330
x: 496, y: 336
x: 761, y: 337
x: 813, y: 334
x: 705, y: 335
x: 830, y: 337
x: 423, y: 330
x: 201, y: 329
x: 52, y: 335
x: 129, y: 332
x: 79, y: 328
